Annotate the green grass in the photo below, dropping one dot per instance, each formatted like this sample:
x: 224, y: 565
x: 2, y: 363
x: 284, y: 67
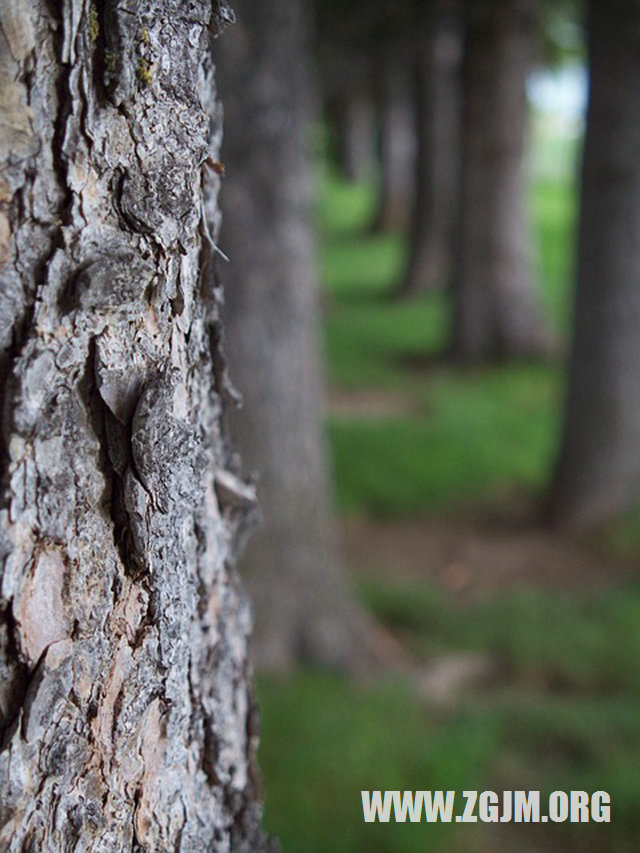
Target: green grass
x: 472, y: 435
x: 567, y: 718
x: 330, y: 740
x: 476, y: 436
x: 564, y: 711
x: 368, y: 341
x: 325, y: 741
x: 553, y: 204
x: 570, y: 642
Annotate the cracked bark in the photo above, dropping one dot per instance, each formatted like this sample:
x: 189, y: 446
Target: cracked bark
x: 126, y: 715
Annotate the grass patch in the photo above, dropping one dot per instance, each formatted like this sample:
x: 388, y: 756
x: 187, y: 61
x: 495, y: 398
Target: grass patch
x: 325, y: 740
x: 566, y: 719
x: 368, y: 342
x: 553, y: 204
x: 541, y: 637
x: 476, y: 435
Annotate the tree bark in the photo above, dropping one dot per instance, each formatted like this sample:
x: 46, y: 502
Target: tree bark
x: 598, y: 472
x: 303, y: 608
x: 437, y: 132
x: 125, y: 704
x: 496, y: 310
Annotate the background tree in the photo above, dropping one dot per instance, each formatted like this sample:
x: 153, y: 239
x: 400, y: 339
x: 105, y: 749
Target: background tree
x: 303, y: 608
x: 368, y: 48
x: 395, y: 96
x: 598, y: 472
x: 126, y: 710
x: 437, y: 118
x: 496, y: 310
x: 350, y: 114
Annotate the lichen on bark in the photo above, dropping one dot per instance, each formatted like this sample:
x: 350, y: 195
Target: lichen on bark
x: 126, y: 714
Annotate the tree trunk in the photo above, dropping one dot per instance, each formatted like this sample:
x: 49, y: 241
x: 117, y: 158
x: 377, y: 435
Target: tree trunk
x: 302, y: 605
x: 126, y: 709
x: 598, y: 473
x: 354, y: 129
x: 397, y: 144
x: 496, y: 310
x: 437, y: 131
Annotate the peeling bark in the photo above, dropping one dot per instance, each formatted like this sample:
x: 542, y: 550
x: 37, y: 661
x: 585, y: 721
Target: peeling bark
x: 125, y: 705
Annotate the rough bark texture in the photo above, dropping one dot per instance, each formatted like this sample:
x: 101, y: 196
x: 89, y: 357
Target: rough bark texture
x: 125, y: 705
x: 496, y: 311
x: 598, y: 473
x: 303, y: 609
x: 437, y: 130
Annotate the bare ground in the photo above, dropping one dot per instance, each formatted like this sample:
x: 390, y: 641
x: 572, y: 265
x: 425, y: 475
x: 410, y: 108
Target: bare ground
x: 371, y: 403
x: 473, y: 557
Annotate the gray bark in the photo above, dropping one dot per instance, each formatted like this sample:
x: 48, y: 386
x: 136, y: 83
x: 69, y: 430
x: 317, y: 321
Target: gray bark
x: 125, y: 705
x: 437, y: 132
x: 496, y: 304
x: 303, y: 608
x: 598, y: 472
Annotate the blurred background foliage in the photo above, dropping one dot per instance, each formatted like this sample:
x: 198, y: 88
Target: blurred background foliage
x: 437, y: 463
x: 563, y: 712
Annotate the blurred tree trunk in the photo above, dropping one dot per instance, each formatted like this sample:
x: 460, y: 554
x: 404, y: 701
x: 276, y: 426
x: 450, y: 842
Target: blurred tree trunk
x: 355, y: 137
x: 598, y: 472
x: 437, y: 131
x: 126, y: 714
x: 303, y: 609
x: 496, y: 310
x: 397, y: 142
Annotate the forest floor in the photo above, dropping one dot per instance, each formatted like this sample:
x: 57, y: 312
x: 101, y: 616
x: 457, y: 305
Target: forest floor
x: 519, y: 645
x: 520, y: 671
x: 472, y: 557
x: 464, y: 562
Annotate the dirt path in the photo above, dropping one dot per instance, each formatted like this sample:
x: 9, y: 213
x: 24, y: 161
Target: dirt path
x: 474, y: 558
